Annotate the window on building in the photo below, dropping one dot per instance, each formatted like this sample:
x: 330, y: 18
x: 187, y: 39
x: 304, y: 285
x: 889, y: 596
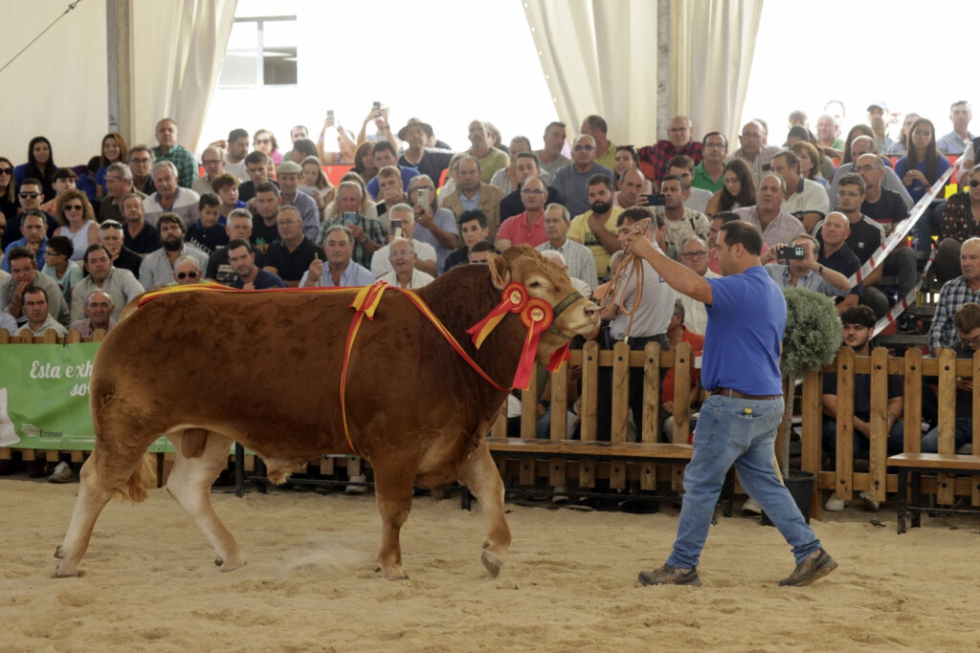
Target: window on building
x: 261, y: 52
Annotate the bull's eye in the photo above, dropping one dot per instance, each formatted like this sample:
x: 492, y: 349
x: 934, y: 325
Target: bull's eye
x: 534, y: 284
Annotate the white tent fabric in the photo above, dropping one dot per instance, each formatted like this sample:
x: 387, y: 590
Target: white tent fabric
x: 600, y: 57
x: 711, y: 48
x: 178, y: 50
x: 58, y: 88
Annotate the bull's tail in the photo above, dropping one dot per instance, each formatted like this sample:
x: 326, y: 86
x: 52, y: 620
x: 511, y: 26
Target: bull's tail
x: 144, y: 476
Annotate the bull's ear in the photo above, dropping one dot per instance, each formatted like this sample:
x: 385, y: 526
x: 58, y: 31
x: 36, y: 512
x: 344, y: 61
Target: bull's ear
x: 499, y: 272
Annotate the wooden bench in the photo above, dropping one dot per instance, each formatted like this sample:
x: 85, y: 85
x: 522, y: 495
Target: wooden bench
x: 911, y: 467
x: 559, y: 452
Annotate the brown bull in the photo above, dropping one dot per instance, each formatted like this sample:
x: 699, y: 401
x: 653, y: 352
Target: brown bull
x: 264, y: 369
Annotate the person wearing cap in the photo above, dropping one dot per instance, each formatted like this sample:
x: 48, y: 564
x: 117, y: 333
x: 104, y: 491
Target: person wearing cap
x: 427, y: 160
x: 288, y: 173
x: 878, y: 119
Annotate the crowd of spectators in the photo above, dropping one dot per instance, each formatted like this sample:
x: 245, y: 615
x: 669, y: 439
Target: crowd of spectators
x: 79, y: 243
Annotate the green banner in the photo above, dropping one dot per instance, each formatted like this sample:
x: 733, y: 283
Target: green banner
x: 44, y: 401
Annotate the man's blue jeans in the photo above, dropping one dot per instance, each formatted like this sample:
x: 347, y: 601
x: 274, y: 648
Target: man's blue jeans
x: 963, y: 434
x: 740, y: 432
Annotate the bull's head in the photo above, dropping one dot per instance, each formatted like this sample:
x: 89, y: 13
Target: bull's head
x: 546, y: 280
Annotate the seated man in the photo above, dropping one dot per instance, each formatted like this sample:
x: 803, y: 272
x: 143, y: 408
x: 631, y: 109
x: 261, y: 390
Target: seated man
x: 768, y: 214
x: 120, y: 283
x: 58, y: 266
x: 805, y: 272
x: 385, y: 155
x: 967, y: 322
x: 682, y: 166
x: 596, y: 228
x: 111, y: 235
x: 35, y: 301
x: 573, y: 181
x: 836, y: 255
x: 139, y: 236
x: 433, y: 225
x: 480, y: 252
x: 249, y: 276
x: 170, y: 198
x: 681, y: 221
x: 341, y: 268
x: 403, y: 218
x: 239, y: 226
x: 98, y: 314
x: 187, y: 270
x: 369, y: 236
x: 803, y: 198
x: 290, y: 256
x: 471, y: 194
x: 158, y: 267
x: 404, y: 269
x: 858, y: 322
x: 208, y: 234
x: 473, y: 229
x: 23, y: 275
x: 955, y: 293
x: 225, y: 186
x: 578, y: 258
x: 257, y: 169
x: 694, y: 256
x: 526, y: 165
x: 34, y: 237
x: 30, y: 196
x: 526, y: 228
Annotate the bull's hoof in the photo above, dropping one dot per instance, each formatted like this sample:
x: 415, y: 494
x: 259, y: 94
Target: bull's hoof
x: 395, y: 572
x: 228, y: 566
x: 59, y: 552
x: 491, y: 562
x: 65, y: 572
x: 218, y: 561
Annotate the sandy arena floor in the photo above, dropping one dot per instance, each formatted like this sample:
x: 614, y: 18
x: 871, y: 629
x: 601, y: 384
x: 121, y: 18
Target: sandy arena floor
x: 569, y: 583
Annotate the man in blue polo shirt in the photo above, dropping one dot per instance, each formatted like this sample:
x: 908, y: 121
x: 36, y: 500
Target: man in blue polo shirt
x: 737, y: 425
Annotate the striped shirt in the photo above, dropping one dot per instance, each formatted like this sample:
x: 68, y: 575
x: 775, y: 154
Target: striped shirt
x: 954, y: 294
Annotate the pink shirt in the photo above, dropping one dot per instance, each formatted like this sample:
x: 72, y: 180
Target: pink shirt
x: 515, y: 230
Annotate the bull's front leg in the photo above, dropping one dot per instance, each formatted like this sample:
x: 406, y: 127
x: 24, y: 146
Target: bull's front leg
x: 480, y: 475
x: 393, y: 490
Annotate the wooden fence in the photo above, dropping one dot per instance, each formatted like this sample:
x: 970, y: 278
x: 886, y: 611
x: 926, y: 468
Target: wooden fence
x: 844, y: 480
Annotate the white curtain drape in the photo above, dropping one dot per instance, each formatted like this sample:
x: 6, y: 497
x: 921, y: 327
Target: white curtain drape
x: 711, y: 48
x: 58, y: 87
x: 178, y: 49
x: 600, y: 57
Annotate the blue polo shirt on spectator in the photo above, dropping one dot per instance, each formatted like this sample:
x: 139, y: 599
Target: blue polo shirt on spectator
x: 22, y: 242
x: 407, y: 174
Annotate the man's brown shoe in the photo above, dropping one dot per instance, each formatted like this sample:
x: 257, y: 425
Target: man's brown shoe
x: 668, y: 575
x: 814, y: 567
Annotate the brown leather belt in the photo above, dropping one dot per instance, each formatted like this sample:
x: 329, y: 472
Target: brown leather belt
x: 729, y: 392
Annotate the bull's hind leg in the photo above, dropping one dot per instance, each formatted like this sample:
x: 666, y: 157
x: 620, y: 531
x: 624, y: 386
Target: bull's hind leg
x: 393, y: 490
x: 190, y: 484
x: 99, y: 481
x: 480, y: 475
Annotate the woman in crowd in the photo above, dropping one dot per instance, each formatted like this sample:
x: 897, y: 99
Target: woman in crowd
x: 314, y: 182
x: 923, y: 165
x: 40, y: 165
x: 113, y: 151
x: 368, y: 208
x: 809, y: 157
x: 960, y: 221
x: 265, y: 141
x: 856, y: 130
x: 77, y: 221
x: 626, y: 158
x: 346, y: 145
x: 738, y: 190
x: 901, y: 146
x: 8, y: 191
x: 364, y: 162
x: 824, y: 166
